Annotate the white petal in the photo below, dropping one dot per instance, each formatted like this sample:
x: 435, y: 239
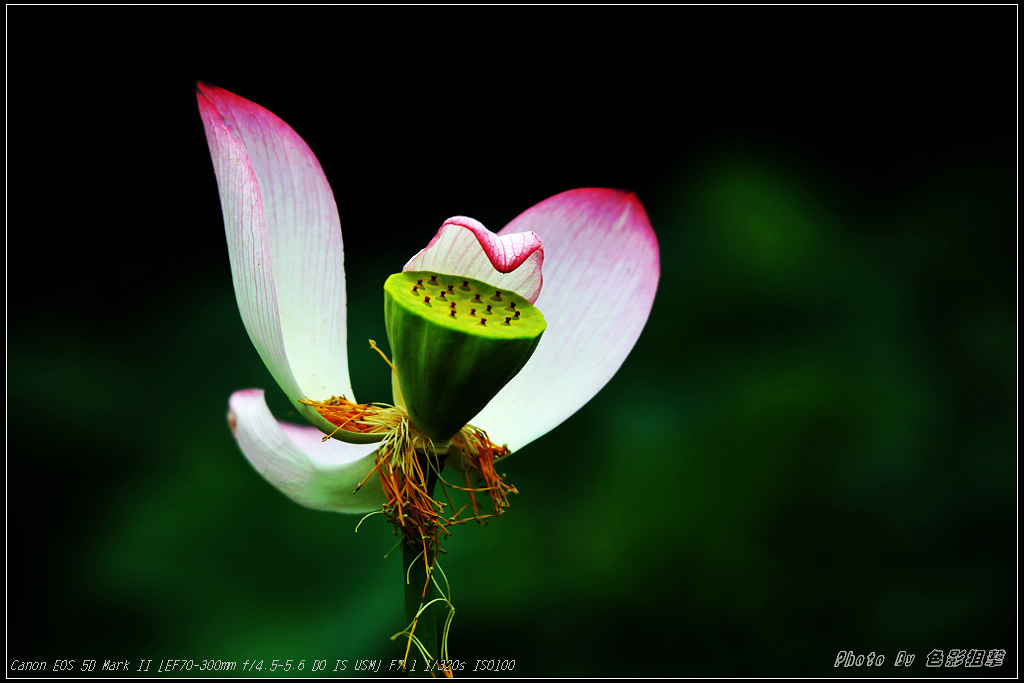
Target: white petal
x: 320, y: 475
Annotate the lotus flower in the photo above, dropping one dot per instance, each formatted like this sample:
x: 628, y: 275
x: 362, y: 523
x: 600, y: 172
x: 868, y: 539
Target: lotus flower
x: 587, y: 259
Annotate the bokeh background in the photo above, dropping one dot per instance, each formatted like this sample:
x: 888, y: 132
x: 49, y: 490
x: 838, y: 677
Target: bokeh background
x: 811, y: 448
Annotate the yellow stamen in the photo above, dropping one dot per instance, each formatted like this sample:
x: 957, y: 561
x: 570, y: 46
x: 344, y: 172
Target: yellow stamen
x: 359, y: 418
x: 479, y: 454
x: 373, y: 345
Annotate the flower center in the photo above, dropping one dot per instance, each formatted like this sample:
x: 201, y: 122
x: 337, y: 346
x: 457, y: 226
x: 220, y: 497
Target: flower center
x: 455, y: 342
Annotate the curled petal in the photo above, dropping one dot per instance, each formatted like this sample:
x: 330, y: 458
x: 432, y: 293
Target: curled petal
x: 463, y: 246
x: 320, y: 475
x: 601, y: 272
x: 284, y: 242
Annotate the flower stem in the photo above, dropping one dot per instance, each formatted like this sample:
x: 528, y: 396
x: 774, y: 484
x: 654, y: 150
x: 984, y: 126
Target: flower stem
x: 416, y: 576
x: 426, y: 624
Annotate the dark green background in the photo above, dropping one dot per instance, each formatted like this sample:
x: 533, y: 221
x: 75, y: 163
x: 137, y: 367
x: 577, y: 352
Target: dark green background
x: 811, y: 448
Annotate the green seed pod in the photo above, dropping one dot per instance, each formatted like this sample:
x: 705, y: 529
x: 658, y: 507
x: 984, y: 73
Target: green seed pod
x: 455, y: 343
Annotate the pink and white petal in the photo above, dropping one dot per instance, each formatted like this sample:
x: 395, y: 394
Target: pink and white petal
x: 320, y: 475
x: 298, y: 227
x: 248, y: 246
x: 463, y: 246
x: 601, y: 273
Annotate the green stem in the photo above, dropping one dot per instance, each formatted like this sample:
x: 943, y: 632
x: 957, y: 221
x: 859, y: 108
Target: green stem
x: 426, y: 624
x: 414, y: 569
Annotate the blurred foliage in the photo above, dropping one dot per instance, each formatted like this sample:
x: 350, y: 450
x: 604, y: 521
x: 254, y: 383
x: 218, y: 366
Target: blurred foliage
x: 811, y: 448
